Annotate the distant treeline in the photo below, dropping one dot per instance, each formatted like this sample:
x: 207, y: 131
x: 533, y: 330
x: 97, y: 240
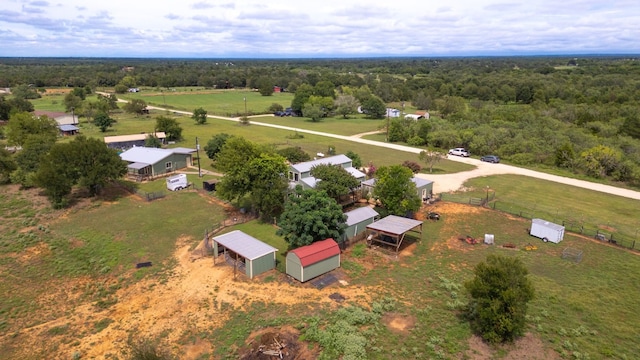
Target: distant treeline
x: 578, y: 113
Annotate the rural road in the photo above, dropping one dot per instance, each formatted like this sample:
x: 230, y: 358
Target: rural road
x: 446, y: 182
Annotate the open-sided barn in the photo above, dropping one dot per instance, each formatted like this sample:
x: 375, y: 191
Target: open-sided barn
x: 245, y: 252
x: 308, y: 262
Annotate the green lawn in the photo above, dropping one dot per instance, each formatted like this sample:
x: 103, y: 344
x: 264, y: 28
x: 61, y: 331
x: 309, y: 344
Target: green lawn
x: 356, y: 124
x: 216, y: 102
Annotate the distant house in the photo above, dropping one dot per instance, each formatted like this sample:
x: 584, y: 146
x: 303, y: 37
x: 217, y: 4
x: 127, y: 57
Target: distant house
x: 357, y: 221
x: 424, y: 187
x: 68, y: 130
x: 147, y: 163
x: 318, y: 258
x: 123, y: 142
x: 394, y: 113
x: 134, y: 90
x: 60, y: 117
x: 277, y: 89
x: 300, y: 173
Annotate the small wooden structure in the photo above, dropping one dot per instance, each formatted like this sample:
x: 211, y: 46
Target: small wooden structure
x: 391, y: 230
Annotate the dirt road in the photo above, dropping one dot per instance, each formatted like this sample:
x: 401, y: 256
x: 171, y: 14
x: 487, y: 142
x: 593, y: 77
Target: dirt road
x: 448, y: 182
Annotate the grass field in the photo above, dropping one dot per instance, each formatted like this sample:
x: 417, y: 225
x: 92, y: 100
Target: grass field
x: 216, y: 102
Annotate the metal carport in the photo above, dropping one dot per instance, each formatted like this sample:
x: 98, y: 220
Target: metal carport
x: 391, y: 230
x: 256, y: 256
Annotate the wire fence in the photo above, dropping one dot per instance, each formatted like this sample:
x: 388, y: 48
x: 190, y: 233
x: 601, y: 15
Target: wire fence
x: 612, y: 233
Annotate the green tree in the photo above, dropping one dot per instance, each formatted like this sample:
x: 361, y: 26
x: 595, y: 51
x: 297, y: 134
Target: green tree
x: 396, y: 191
x: 29, y: 158
x: 313, y: 112
x: 25, y: 92
x: 275, y: 107
x: 199, y: 116
x: 311, y: 215
x: 499, y: 293
x: 170, y: 127
x: 265, y: 86
x: 19, y: 104
x: 7, y: 165
x: 346, y: 105
x: 152, y: 141
x: 23, y: 125
x: 294, y: 154
x: 103, y: 121
x: 374, y: 107
x: 431, y: 157
x: 268, y: 184
x: 72, y: 101
x: 325, y: 89
x: 334, y: 180
x: 300, y: 98
x: 215, y: 144
x: 356, y: 161
x: 232, y: 159
x: 135, y: 106
x: 84, y: 161
x: 600, y: 161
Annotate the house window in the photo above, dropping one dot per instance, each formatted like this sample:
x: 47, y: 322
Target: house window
x: 295, y: 177
x: 167, y: 165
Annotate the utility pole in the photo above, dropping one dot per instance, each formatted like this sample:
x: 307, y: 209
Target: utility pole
x: 245, y: 107
x: 198, y: 155
x: 387, y: 110
x: 73, y: 116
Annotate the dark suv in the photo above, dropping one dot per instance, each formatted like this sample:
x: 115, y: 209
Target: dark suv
x: 490, y: 158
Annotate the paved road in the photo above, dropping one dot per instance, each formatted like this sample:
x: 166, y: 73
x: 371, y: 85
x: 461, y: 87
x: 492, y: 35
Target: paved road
x: 447, y: 182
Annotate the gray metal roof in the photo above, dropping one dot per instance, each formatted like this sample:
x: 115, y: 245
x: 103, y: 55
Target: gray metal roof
x: 182, y: 150
x: 355, y: 172
x: 393, y: 224
x: 68, y: 127
x: 360, y: 214
x: 244, y: 245
x: 137, y: 165
x: 145, y: 155
x: 416, y: 180
x: 331, y: 160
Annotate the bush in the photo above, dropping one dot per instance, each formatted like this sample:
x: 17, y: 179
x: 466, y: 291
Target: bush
x: 413, y: 166
x: 499, y: 293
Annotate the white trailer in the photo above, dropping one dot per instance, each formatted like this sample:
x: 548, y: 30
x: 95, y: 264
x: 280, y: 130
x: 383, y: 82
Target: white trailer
x: 177, y: 182
x: 547, y: 231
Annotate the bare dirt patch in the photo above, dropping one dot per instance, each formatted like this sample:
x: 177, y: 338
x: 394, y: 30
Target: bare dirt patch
x: 527, y: 347
x: 399, y: 323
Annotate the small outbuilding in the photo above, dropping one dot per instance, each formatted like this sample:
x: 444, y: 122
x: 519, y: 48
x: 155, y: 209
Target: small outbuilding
x: 357, y: 221
x: 209, y: 185
x: 308, y: 262
x: 245, y: 253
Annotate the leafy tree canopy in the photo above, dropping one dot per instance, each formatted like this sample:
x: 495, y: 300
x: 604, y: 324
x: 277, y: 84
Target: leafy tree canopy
x: 396, y: 191
x: 135, y: 106
x: 334, y: 180
x: 294, y: 154
x: 199, y: 116
x: 499, y: 293
x: 356, y: 161
x: 23, y: 125
x: 103, y: 121
x: 215, y: 144
x: 170, y: 127
x: 311, y: 215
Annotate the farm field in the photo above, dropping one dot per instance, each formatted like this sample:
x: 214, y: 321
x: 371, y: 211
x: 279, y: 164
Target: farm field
x: 87, y: 298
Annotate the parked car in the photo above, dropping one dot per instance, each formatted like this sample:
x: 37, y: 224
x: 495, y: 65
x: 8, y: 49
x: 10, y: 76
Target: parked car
x: 459, y: 152
x: 490, y: 158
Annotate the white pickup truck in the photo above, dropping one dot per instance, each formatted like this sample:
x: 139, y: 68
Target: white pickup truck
x: 459, y: 152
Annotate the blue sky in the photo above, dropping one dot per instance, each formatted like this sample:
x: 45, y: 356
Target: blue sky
x: 328, y: 28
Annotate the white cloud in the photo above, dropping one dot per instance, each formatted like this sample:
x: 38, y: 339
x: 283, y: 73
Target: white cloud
x: 276, y: 28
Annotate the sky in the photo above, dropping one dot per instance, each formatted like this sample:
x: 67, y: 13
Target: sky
x: 311, y: 28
